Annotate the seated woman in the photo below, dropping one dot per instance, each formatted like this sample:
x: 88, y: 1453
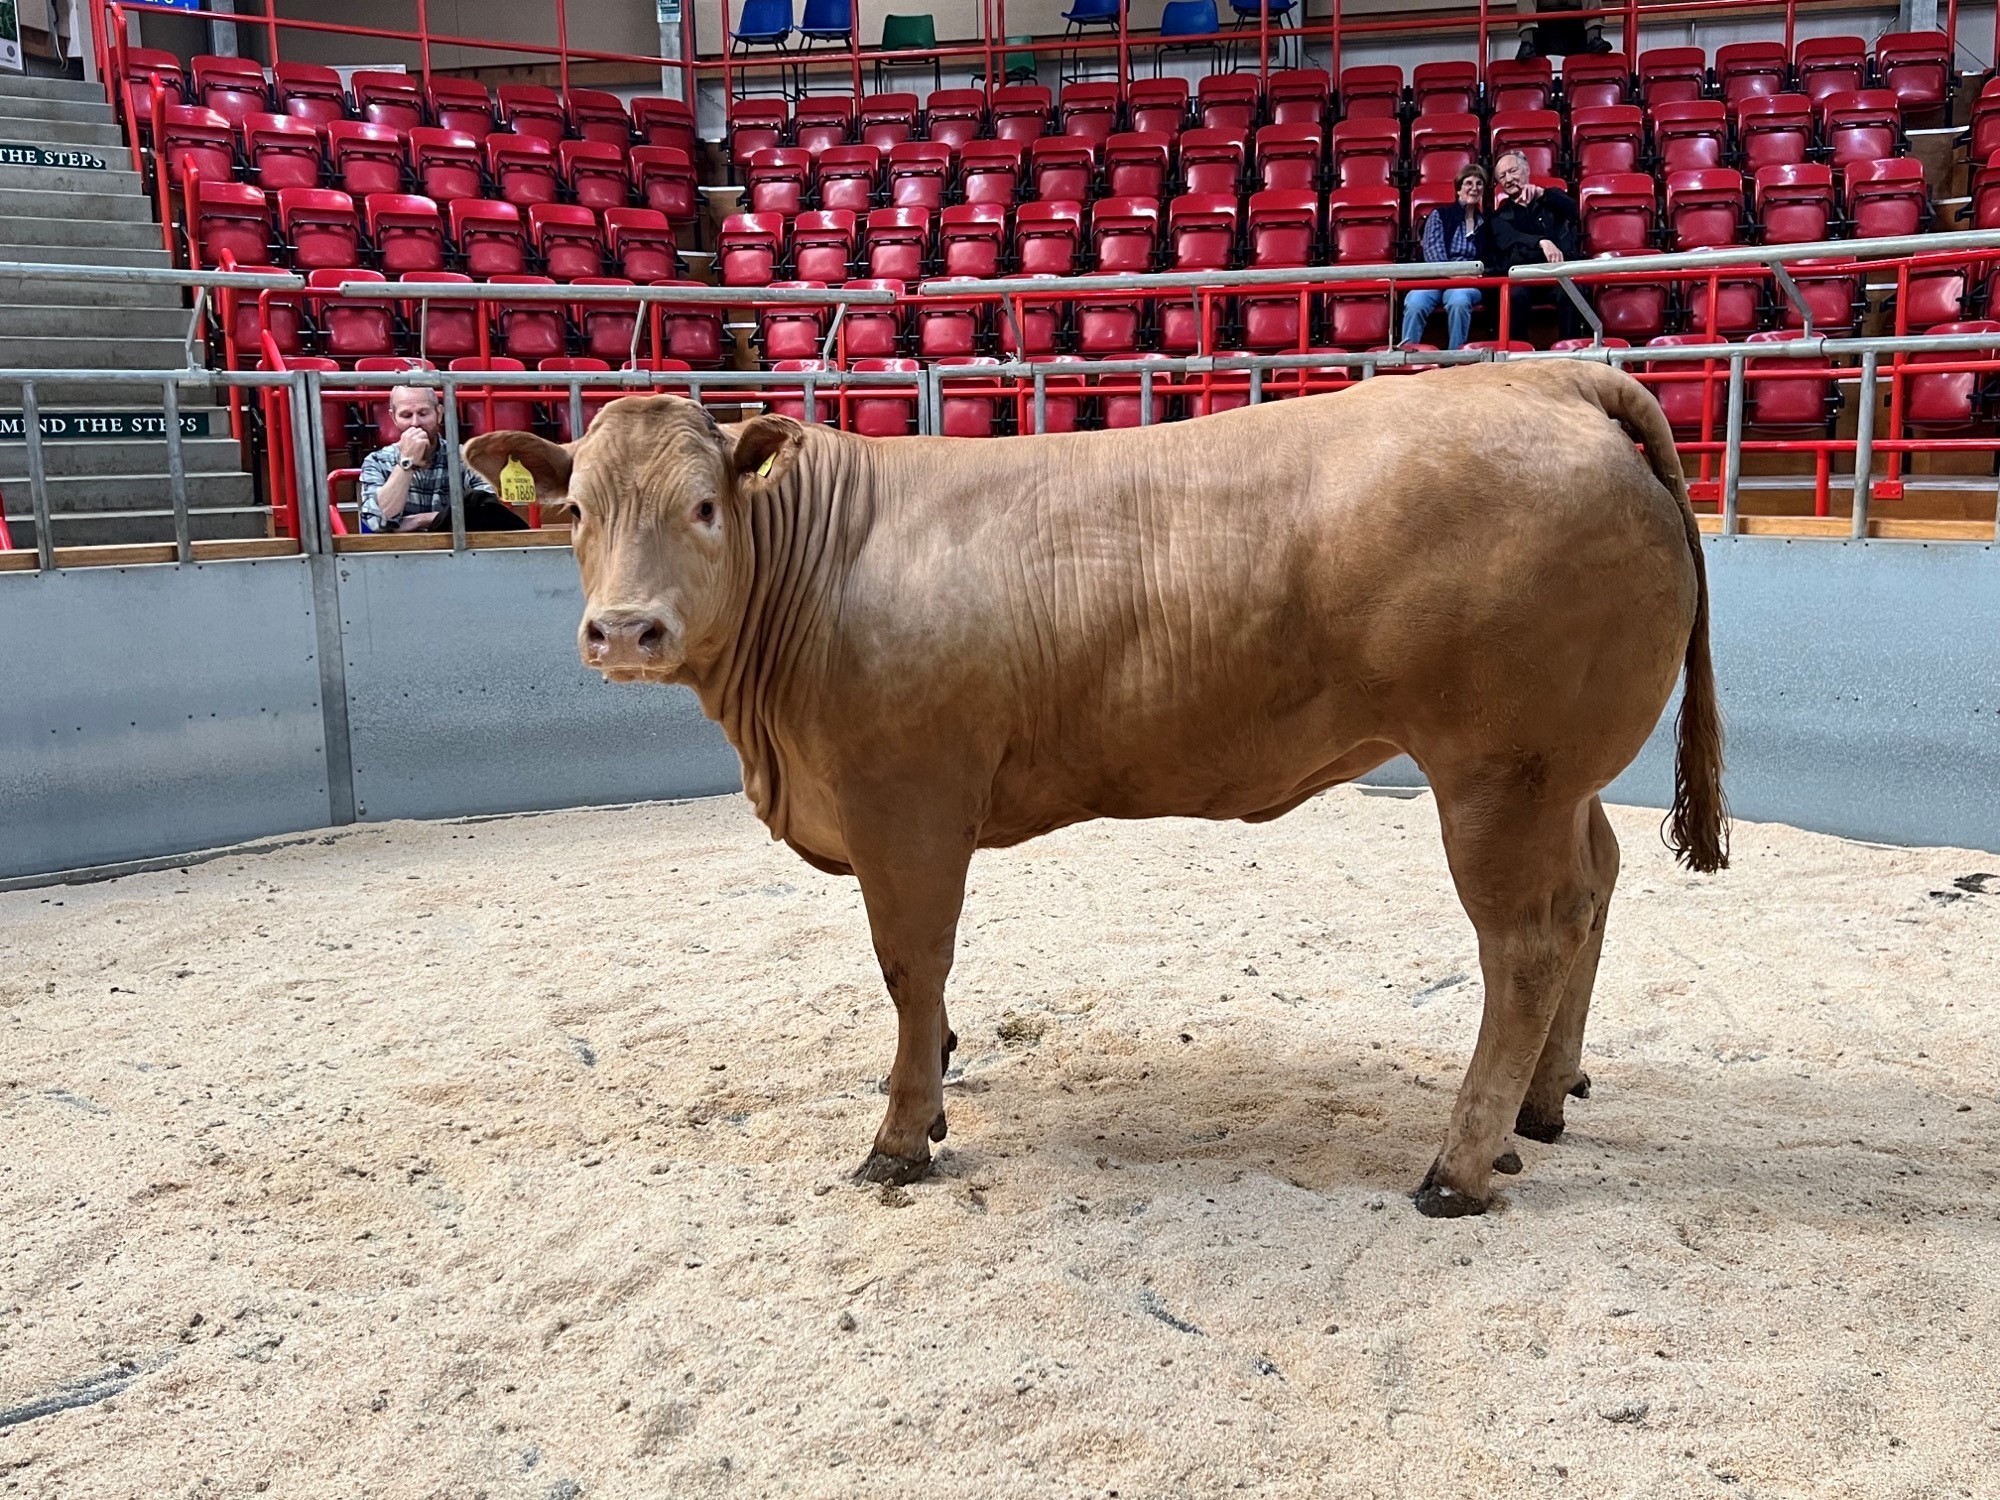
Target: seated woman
x: 1457, y: 231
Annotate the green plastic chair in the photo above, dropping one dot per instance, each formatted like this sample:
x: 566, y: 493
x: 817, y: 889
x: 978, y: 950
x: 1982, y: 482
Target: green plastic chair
x: 1015, y: 67
x: 909, y: 34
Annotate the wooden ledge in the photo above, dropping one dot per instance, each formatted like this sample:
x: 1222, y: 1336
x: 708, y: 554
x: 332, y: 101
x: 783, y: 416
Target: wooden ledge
x: 1841, y: 528
x: 137, y: 554
x: 433, y: 541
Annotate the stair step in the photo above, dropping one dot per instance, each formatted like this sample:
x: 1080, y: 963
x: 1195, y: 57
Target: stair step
x: 42, y: 352
x: 95, y: 494
x: 105, y: 395
x: 56, y: 111
x: 99, y: 136
x: 109, y: 529
x: 97, y: 255
x: 70, y: 179
x: 91, y: 320
x: 23, y: 238
x: 30, y: 86
x: 45, y: 203
x: 22, y: 292
x: 120, y: 457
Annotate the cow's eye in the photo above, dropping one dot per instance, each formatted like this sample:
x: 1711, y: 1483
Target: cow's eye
x: 573, y: 511
x: 705, y: 512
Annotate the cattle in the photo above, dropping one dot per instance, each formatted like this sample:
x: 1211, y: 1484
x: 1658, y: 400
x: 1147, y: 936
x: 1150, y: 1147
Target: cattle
x: 921, y: 647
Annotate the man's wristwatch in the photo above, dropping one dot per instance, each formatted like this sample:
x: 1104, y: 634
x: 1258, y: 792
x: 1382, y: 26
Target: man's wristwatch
x: 403, y: 461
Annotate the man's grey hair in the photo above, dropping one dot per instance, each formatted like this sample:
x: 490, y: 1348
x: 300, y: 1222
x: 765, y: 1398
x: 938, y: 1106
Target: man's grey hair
x: 1518, y: 156
x: 396, y: 392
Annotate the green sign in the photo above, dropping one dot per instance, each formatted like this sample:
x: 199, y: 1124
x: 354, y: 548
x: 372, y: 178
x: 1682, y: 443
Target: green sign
x: 49, y: 156
x: 91, y: 426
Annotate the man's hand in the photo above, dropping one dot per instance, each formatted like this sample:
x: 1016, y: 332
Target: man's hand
x: 1551, y: 252
x: 415, y: 445
x: 1529, y: 192
x: 423, y: 520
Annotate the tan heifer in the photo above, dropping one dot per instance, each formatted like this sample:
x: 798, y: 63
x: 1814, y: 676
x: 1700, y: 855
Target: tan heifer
x: 923, y: 647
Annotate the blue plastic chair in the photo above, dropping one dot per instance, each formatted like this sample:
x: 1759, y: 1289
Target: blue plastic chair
x: 828, y: 21
x: 1246, y: 18
x: 1188, y: 26
x: 764, y: 23
x: 1082, y: 16
x: 1247, y: 9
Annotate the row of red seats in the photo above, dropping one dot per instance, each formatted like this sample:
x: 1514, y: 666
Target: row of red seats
x: 1625, y: 213
x: 236, y: 88
x: 311, y: 228
x: 1915, y: 67
x: 358, y: 158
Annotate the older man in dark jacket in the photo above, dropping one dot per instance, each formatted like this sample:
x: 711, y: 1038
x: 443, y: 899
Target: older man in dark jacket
x: 1531, y: 225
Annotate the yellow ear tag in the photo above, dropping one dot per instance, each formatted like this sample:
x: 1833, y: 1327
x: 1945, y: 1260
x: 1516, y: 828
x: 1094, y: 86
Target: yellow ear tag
x: 517, y: 485
x: 764, y: 469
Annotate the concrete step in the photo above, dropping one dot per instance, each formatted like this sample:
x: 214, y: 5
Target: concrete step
x: 69, y: 179
x: 19, y: 291
x: 41, y: 203
x: 95, y: 494
x: 18, y: 86
x: 113, y: 530
x: 69, y: 320
x: 122, y: 457
x: 94, y: 255
x: 55, y: 111
x: 100, y: 136
x: 96, y: 353
x: 20, y: 238
x: 105, y: 395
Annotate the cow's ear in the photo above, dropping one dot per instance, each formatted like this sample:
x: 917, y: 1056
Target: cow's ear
x: 766, y: 447
x: 547, y: 462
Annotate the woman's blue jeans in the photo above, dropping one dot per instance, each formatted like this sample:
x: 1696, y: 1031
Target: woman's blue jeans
x: 1459, y: 301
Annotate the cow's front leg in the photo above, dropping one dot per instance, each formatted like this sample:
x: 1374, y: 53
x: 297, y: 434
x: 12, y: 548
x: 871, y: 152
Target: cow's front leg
x: 912, y: 875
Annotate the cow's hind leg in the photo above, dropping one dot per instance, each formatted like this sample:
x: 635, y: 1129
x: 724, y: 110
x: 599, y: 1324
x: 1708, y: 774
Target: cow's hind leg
x: 1520, y: 858
x: 913, y: 883
x: 1560, y: 1074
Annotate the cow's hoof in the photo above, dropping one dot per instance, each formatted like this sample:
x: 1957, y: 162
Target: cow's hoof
x: 1508, y: 1163
x: 1581, y: 1088
x: 1536, y: 1127
x: 1436, y: 1201
x: 938, y: 1127
x: 899, y: 1170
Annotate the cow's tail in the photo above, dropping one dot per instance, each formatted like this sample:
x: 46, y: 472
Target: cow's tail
x: 1697, y: 826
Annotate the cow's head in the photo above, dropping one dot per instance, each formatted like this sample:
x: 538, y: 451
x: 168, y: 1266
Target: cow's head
x: 657, y: 496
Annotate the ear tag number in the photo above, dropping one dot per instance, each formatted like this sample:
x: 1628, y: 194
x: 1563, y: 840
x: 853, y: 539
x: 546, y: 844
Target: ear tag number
x: 517, y: 485
x: 764, y: 469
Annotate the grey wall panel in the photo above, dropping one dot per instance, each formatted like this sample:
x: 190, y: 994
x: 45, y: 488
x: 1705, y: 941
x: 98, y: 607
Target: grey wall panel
x: 465, y: 694
x: 156, y: 710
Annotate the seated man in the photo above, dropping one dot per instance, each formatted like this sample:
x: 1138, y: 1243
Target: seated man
x: 407, y: 485
x: 1457, y: 231
x: 1531, y: 225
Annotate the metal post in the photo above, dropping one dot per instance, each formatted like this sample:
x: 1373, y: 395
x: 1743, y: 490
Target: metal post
x: 315, y: 531
x: 423, y: 39
x: 177, y: 486
x: 1732, y: 445
x: 1864, y: 444
x: 1256, y: 385
x: 38, y: 479
x: 1041, y: 402
x: 451, y: 462
x: 809, y: 385
x: 562, y: 47
x: 576, y: 407
x: 1145, y: 395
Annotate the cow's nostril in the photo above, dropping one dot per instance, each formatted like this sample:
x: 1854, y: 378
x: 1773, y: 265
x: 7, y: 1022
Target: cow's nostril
x: 652, y: 638
x: 593, y: 635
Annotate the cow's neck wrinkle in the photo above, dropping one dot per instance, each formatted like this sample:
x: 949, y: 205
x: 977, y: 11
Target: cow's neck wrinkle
x: 804, y: 533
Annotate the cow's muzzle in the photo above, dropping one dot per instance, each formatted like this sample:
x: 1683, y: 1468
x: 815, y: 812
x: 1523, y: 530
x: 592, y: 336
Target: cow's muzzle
x: 623, y: 643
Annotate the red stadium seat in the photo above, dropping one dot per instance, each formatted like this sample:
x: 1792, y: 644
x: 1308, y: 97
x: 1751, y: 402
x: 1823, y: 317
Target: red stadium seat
x: 492, y: 408
x: 462, y: 105
x: 952, y: 117
x: 444, y: 330
x: 1633, y: 311
x: 1445, y: 88
x: 1061, y: 168
x: 883, y: 412
x: 1949, y: 400
x: 1366, y: 152
x: 1521, y: 346
x: 872, y: 331
x: 595, y: 173
x: 966, y: 410
x: 847, y: 177
x: 1704, y: 209
x: 528, y: 330
x: 309, y: 92
x: 282, y: 150
x: 1830, y: 65
x: 530, y: 109
x: 1595, y: 80
x: 1798, y: 399
x: 1866, y: 126
x: 1046, y: 237
x: 748, y: 248
x: 1020, y: 112
x: 1123, y: 233
x: 319, y: 226
x: 394, y: 100
x: 1062, y: 397
x: 822, y: 120
x: 563, y: 364
x: 1936, y: 296
x: 566, y: 240
x: 691, y: 332
x: 1606, y: 139
x: 1617, y: 213
x: 1535, y: 133
x: 1983, y: 138
x: 406, y: 230
x: 1671, y: 75
x: 1107, y: 324
x: 1090, y: 110
x: 1441, y: 144
x: 1211, y: 161
x: 990, y: 171
x: 1735, y: 309
x: 898, y: 243
x: 823, y: 245
x: 1158, y: 106
x: 355, y: 329
x: 1513, y: 86
x: 1123, y: 396
x: 1358, y: 320
x: 971, y: 237
x: 794, y: 406
x: 778, y: 177
x: 523, y: 168
x: 665, y: 181
x: 641, y: 242
x: 279, y: 315
x: 1831, y: 295
x: 1283, y: 228
x: 490, y: 237
x: 144, y: 68
x: 1689, y: 136
x: 1361, y: 225
x: 598, y: 116
x: 1685, y: 394
x: 665, y: 122
x: 1135, y: 165
x: 791, y: 330
x: 233, y: 87
x: 1371, y: 92
x: 918, y: 172
x: 1887, y: 197
x: 1299, y: 96
x: 947, y: 329
x: 1201, y: 232
x: 366, y: 158
x: 445, y: 163
x: 1795, y: 203
x: 1288, y: 156
x: 887, y: 120
x: 754, y: 124
x: 1915, y: 66
x: 1227, y: 101
x: 1746, y: 68
x: 1773, y: 130
x: 198, y: 142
